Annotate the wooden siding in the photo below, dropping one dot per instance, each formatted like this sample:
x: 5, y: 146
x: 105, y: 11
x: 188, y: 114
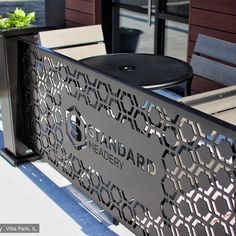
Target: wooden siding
x: 195, y: 30
x: 224, y: 6
x: 214, y: 18
x: 82, y: 12
x: 200, y: 85
x: 80, y: 6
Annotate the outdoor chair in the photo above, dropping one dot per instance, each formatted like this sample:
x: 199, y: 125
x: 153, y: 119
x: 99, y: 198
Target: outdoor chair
x: 213, y: 62
x: 76, y: 43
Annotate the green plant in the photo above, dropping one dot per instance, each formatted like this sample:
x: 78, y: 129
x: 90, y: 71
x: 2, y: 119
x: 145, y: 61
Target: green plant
x: 18, y: 19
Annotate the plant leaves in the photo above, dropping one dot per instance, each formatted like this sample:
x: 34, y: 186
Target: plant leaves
x: 19, y: 13
x: 4, y: 23
x: 18, y: 19
x: 31, y: 16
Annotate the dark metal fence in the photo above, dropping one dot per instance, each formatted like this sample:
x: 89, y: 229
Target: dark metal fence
x: 158, y: 166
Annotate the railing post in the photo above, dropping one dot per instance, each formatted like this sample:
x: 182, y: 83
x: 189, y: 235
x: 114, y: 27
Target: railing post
x: 14, y: 149
x: 55, y: 13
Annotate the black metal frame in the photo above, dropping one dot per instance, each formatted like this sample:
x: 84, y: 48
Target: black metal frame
x: 14, y: 150
x: 106, y: 15
x: 158, y: 166
x: 160, y: 17
x: 55, y: 18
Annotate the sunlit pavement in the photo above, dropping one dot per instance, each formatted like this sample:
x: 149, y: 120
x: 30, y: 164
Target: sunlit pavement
x: 36, y: 193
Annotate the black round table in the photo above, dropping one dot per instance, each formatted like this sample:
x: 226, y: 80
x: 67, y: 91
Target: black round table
x: 147, y: 70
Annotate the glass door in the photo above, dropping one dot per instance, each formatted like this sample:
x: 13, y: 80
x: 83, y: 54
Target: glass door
x: 134, y: 26
x: 175, y: 14
x: 151, y: 26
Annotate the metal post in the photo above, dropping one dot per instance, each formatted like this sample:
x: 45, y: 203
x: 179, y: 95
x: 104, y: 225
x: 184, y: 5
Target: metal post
x: 115, y: 28
x: 14, y: 150
x: 55, y: 13
x: 106, y: 18
x: 159, y: 38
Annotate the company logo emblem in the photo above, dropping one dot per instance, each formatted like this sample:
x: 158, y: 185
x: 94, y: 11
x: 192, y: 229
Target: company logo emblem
x: 113, y: 151
x: 76, y: 128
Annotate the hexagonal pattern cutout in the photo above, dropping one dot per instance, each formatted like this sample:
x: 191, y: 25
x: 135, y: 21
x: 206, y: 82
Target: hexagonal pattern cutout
x: 205, y: 156
x: 187, y: 132
x: 202, y: 207
x: 195, y: 156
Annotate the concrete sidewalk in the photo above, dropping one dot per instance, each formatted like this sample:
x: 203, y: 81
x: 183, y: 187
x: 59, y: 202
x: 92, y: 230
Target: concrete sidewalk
x: 21, y: 201
x: 36, y: 193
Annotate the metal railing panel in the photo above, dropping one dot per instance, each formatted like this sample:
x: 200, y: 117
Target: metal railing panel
x: 158, y: 166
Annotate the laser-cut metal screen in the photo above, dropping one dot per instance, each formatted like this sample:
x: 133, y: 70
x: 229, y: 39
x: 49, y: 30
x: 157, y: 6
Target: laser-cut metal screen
x: 157, y: 166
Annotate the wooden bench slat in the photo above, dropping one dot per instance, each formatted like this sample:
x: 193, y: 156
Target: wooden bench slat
x: 71, y: 36
x: 217, y: 105
x: 220, y: 103
x: 213, y: 70
x: 216, y: 48
x: 213, y: 59
x: 82, y: 52
x: 229, y: 116
x: 208, y: 96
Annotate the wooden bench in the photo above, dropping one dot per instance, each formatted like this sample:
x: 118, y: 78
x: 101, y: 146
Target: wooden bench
x: 219, y: 103
x: 214, y: 62
x: 76, y: 43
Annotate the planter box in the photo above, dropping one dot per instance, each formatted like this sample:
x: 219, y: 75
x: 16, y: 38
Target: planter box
x: 14, y: 150
x: 129, y: 39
